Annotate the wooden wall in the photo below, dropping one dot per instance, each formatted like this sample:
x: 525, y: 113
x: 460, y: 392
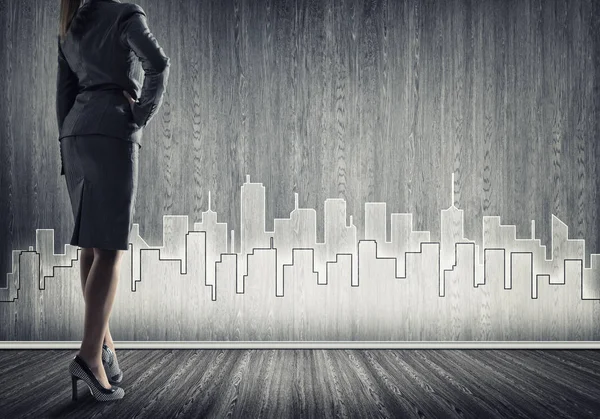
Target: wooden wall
x: 361, y: 100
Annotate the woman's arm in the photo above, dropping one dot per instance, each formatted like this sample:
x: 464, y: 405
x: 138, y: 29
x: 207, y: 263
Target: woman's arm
x: 136, y: 36
x: 67, y: 87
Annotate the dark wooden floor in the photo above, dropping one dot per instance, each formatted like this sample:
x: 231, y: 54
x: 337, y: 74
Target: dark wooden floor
x: 313, y: 383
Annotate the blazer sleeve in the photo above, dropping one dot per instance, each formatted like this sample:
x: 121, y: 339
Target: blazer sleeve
x: 136, y: 36
x: 67, y: 87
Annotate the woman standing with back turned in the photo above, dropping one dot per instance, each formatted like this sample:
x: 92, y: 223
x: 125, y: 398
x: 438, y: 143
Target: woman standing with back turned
x: 101, y: 111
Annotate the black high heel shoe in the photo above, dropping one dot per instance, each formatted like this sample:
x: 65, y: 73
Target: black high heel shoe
x: 80, y: 371
x: 111, y: 366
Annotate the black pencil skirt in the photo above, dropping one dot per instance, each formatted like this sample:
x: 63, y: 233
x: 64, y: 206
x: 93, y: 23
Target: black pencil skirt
x: 101, y: 173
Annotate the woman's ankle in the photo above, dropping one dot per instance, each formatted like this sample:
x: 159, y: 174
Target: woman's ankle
x: 92, y: 361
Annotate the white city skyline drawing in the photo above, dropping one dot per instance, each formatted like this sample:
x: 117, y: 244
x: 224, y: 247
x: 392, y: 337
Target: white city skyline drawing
x: 485, y: 282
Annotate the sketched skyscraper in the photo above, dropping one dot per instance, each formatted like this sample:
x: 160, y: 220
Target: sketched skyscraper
x: 253, y: 212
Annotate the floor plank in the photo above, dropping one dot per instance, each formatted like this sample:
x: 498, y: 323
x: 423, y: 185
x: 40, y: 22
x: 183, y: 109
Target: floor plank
x: 313, y: 383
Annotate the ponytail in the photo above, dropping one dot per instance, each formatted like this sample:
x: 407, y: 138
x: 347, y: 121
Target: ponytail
x: 75, y: 16
x: 68, y: 8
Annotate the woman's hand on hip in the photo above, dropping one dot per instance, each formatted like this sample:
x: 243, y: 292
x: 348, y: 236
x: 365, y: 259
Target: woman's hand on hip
x: 129, y: 98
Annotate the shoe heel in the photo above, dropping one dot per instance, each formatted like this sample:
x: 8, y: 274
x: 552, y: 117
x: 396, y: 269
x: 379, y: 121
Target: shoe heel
x: 80, y: 371
x: 74, y: 386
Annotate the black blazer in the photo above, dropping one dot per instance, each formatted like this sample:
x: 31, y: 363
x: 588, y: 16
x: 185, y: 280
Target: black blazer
x: 96, y: 62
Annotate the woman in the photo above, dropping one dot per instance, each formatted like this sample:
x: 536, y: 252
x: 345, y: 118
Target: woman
x: 101, y: 110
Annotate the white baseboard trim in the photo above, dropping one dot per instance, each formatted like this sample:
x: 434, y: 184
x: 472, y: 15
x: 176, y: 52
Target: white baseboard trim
x: 312, y: 345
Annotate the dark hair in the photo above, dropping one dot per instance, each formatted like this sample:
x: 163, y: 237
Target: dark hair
x: 74, y: 16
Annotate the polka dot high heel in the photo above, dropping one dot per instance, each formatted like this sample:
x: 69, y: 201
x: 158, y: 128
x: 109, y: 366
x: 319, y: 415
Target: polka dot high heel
x: 111, y: 366
x: 80, y: 371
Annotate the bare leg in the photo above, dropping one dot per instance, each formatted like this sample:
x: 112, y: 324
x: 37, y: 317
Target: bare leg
x: 87, y: 259
x: 99, y: 294
x: 108, y: 340
x: 85, y: 264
